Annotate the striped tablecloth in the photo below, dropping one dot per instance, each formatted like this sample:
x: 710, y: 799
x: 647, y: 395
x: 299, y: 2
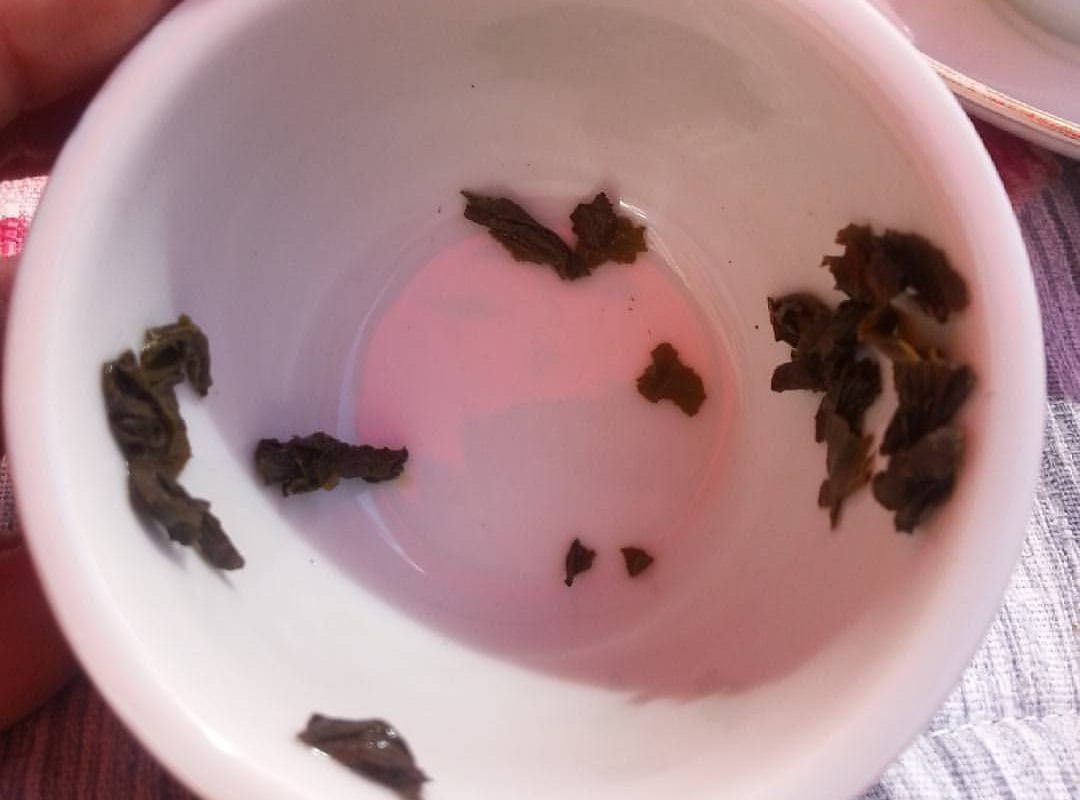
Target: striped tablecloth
x: 1011, y: 729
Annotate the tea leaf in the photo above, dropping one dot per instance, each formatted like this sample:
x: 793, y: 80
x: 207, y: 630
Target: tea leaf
x: 883, y: 328
x: 795, y: 316
x: 370, y: 747
x: 579, y: 558
x: 319, y: 461
x: 848, y: 465
x: 929, y: 393
x: 603, y: 235
x: 874, y: 269
x: 144, y: 419
x: 526, y: 239
x: 187, y: 520
x: 667, y: 378
x: 850, y: 393
x: 637, y: 560
x: 921, y: 477
x: 172, y: 352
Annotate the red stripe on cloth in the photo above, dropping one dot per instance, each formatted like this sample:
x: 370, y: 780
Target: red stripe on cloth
x: 12, y: 235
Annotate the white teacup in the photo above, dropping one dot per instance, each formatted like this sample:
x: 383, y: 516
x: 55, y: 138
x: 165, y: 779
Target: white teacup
x: 1060, y: 17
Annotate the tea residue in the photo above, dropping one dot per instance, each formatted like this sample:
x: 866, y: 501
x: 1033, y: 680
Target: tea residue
x: 371, y: 747
x: 602, y: 234
x: 319, y: 461
x: 579, y: 558
x: 523, y: 236
x: 637, y: 560
x: 668, y: 378
x: 874, y: 270
x: 921, y: 477
x: 144, y: 416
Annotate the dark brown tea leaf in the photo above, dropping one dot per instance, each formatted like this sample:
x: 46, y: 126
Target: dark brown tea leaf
x: 935, y: 286
x: 667, y: 378
x: 319, y: 461
x: 849, y: 394
x: 172, y: 352
x: 187, y: 520
x: 637, y: 560
x: 874, y: 269
x: 603, y: 235
x: 370, y: 747
x: 799, y: 374
x: 797, y: 315
x: 929, y: 393
x: 861, y: 272
x: 526, y: 238
x: 144, y: 419
x: 825, y: 341
x: 883, y: 328
x: 921, y: 477
x: 848, y: 464
x: 579, y: 558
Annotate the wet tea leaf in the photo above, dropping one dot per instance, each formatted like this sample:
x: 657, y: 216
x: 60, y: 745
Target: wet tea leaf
x: 668, y: 378
x: 144, y: 419
x: 603, y: 235
x: 579, y: 558
x: 637, y: 560
x: 187, y: 520
x: 848, y: 465
x: 850, y: 393
x: 796, y: 316
x: 921, y: 477
x: 172, y: 352
x: 929, y: 393
x: 883, y: 329
x: 875, y: 269
x: 371, y: 747
x: 523, y: 236
x: 319, y: 461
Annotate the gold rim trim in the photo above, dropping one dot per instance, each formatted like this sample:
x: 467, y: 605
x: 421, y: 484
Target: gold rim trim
x: 1008, y: 106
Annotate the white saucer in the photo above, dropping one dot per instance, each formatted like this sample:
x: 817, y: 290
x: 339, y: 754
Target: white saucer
x: 1002, y: 67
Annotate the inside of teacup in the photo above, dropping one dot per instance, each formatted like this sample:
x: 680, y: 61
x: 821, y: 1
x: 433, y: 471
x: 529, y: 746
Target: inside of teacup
x: 307, y: 213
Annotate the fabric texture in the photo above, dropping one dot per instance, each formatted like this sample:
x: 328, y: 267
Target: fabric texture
x: 1010, y: 730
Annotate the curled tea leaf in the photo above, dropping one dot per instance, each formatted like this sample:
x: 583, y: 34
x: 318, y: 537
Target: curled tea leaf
x: 929, y: 393
x: 371, y: 747
x: 636, y: 559
x: 579, y: 558
x: 172, y: 352
x: 848, y: 465
x: 603, y: 235
x: 523, y: 236
x: 825, y: 341
x: 668, y: 378
x: 850, y: 393
x: 187, y: 520
x: 796, y: 316
x: 874, y: 269
x: 883, y: 328
x: 935, y: 286
x: 144, y: 419
x: 319, y: 461
x: 921, y: 477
